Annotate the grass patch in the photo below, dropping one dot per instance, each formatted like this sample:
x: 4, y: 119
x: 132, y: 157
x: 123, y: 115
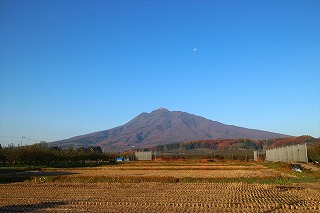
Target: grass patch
x: 159, y: 179
x: 21, y: 168
x: 82, y: 165
x: 186, y: 168
x: 105, y: 179
x: 14, y: 179
x: 43, y: 179
x: 306, y: 176
x: 268, y: 180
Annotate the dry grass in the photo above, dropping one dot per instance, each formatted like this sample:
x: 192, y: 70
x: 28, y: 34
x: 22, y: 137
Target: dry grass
x: 156, y: 197
x: 180, y: 170
x: 165, y: 195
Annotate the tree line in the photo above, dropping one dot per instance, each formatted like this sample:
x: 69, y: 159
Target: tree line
x: 238, y: 144
x: 42, y: 154
x: 237, y: 147
x: 314, y: 153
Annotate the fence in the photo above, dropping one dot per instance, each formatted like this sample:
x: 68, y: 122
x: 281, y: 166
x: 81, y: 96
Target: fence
x: 288, y: 154
x: 256, y: 154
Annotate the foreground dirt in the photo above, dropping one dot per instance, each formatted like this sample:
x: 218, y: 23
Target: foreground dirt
x: 156, y: 197
x: 161, y: 196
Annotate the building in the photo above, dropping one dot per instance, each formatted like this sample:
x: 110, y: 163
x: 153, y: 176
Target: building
x: 143, y: 155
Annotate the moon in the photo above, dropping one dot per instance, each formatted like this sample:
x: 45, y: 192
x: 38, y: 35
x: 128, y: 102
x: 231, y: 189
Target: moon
x: 195, y: 49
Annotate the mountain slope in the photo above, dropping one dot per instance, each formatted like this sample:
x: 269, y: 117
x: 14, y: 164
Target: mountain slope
x: 163, y: 127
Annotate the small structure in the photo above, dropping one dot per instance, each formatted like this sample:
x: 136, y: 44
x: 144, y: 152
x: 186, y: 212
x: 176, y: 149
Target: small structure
x: 143, y: 155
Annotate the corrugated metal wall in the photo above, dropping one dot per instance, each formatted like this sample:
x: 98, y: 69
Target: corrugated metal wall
x: 296, y: 153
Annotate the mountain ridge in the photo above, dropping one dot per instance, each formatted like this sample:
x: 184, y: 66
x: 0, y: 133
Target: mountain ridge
x: 160, y: 127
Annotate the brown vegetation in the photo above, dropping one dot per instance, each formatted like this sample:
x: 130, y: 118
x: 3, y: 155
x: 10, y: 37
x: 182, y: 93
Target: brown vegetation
x: 237, y: 144
x: 176, y: 186
x: 180, y: 170
x: 157, y: 197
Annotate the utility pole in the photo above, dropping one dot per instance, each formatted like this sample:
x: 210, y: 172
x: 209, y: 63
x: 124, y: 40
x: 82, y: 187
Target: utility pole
x: 21, y: 140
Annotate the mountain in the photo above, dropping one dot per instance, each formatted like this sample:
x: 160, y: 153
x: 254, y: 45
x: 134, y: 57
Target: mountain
x: 160, y: 127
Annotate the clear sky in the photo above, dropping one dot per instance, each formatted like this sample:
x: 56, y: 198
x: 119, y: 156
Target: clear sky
x: 79, y: 66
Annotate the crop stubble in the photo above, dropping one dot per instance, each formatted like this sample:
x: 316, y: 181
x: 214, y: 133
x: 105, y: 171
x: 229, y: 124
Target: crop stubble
x: 161, y: 196
x: 157, y: 197
x: 181, y: 171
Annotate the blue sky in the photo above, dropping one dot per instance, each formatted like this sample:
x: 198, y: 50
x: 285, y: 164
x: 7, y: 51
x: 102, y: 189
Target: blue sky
x: 73, y: 67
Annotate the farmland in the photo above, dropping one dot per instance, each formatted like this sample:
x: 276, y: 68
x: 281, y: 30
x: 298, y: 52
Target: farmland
x: 185, y: 169
x: 190, y: 186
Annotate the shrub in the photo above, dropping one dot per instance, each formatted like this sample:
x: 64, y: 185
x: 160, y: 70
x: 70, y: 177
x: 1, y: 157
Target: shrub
x: 314, y: 153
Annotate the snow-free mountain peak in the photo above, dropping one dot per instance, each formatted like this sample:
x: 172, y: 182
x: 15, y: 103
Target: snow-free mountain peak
x: 162, y: 126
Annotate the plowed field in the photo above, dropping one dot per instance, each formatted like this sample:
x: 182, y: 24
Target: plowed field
x: 179, y: 170
x: 156, y: 197
x: 69, y: 195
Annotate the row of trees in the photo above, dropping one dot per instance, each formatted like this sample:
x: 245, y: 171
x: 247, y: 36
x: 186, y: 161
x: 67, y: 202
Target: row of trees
x: 42, y: 154
x: 314, y: 153
x: 281, y: 142
x: 238, y: 144
x: 223, y: 144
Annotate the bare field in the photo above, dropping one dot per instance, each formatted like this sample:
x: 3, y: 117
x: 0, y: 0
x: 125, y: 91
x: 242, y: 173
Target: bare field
x: 180, y: 170
x: 156, y: 197
x: 60, y: 196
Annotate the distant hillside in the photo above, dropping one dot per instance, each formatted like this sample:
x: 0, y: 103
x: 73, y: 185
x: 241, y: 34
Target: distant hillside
x: 235, y: 144
x: 162, y: 126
